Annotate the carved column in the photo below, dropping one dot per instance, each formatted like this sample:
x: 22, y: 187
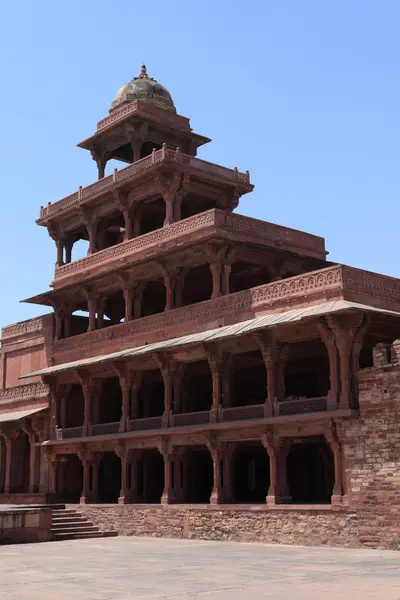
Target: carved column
x: 227, y: 371
x: 269, y: 443
x: 345, y: 329
x: 216, y: 277
x: 92, y: 300
x: 58, y: 317
x: 270, y: 351
x: 136, y: 381
x: 123, y: 453
x: 214, y: 362
x: 215, y: 448
x: 100, y: 156
x: 328, y: 338
x: 283, y: 447
x: 87, y: 384
x: 125, y: 381
x: 166, y: 450
x: 169, y: 282
x: 332, y: 439
x: 68, y: 250
x: 166, y: 367
x: 60, y: 253
x: 168, y: 186
x: 226, y: 274
x: 85, y: 457
x: 137, y: 300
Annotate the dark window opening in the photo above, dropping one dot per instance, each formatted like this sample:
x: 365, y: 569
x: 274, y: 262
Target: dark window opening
x: 250, y: 472
x: 152, y: 216
x: 245, y: 276
x: 197, y: 285
x: 151, y: 395
x: 75, y: 406
x: 248, y: 385
x: 109, y: 478
x: 154, y: 298
x: 310, y: 472
x: 110, y: 402
x: 197, y: 486
x: 197, y: 387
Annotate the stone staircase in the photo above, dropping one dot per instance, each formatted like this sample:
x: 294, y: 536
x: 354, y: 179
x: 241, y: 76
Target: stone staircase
x: 69, y: 524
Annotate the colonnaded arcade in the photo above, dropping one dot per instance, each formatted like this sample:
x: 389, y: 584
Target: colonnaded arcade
x: 194, y: 355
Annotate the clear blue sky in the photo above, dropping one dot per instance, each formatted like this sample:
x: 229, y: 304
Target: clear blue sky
x: 303, y: 93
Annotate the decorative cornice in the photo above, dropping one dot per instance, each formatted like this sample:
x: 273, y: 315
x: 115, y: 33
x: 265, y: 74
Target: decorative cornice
x: 23, y: 328
x: 143, y: 107
x: 131, y: 171
x: 23, y: 392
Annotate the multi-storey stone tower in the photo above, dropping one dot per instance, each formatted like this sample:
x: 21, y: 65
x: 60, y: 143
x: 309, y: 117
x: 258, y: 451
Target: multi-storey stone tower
x: 194, y: 355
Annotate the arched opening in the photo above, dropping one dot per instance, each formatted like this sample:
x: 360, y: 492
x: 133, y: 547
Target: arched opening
x: 197, y: 285
x: 109, y: 405
x: 111, y: 231
x: 152, y: 216
x: 69, y: 479
x: 109, y: 478
x: 151, y: 395
x: 307, y: 371
x: 149, y: 477
x: 310, y: 471
x: 154, y: 298
x: 250, y: 472
x: 192, y: 475
x: 194, y: 205
x: 248, y: 381
x: 196, y: 387
x: 77, y: 246
x: 3, y: 463
x: 75, y: 406
x: 20, y: 463
x: 246, y: 275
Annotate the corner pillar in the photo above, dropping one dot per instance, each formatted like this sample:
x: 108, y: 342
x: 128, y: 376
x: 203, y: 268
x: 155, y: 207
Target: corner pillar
x: 165, y: 450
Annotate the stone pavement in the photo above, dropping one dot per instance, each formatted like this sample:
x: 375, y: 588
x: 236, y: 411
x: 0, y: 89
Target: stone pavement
x: 153, y: 569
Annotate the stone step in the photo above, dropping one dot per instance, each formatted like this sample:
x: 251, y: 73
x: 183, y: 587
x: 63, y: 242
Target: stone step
x: 69, y: 519
x: 75, y: 530
x: 82, y: 536
x: 61, y: 513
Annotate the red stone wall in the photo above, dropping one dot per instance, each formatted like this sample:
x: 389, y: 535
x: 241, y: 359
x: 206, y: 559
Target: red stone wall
x: 330, y: 526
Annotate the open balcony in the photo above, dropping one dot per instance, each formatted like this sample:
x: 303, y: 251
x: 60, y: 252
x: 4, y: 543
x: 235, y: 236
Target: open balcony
x: 132, y: 173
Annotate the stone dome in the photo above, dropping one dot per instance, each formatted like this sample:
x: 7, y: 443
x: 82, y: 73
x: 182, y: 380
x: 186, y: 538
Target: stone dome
x: 146, y: 88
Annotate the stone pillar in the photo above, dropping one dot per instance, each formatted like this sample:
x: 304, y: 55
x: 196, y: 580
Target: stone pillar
x: 177, y: 388
x: 166, y: 368
x: 95, y: 478
x: 328, y: 338
x: 68, y: 251
x: 87, y: 388
x: 226, y: 279
x: 226, y: 400
x: 215, y: 448
x: 227, y: 452
x: 125, y: 381
x: 136, y: 381
x: 86, y: 481
x: 215, y: 268
x: 92, y: 301
x: 215, y: 368
x: 169, y: 282
x: 269, y: 444
x: 60, y: 253
x: 123, y: 453
x: 283, y: 447
x: 137, y: 300
x: 270, y: 351
x: 100, y: 156
x: 332, y: 439
x: 58, y: 316
x: 166, y: 451
x: 128, y: 297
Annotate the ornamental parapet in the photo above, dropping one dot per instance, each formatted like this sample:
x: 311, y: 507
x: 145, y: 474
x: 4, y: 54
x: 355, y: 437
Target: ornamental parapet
x: 164, y: 156
x: 262, y: 232
x: 24, y: 392
x: 22, y: 328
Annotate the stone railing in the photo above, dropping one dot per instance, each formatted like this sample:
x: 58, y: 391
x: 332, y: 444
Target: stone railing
x: 143, y: 107
x: 291, y: 291
x: 266, y: 233
x: 242, y: 413
x: 105, y: 428
x: 22, y: 328
x: 164, y: 155
x: 192, y: 418
x: 301, y: 406
x: 23, y: 392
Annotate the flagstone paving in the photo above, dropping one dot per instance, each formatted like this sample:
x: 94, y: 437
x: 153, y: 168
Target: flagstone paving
x: 153, y: 569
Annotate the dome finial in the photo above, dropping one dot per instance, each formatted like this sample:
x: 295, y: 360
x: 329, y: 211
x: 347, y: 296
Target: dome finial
x: 143, y: 72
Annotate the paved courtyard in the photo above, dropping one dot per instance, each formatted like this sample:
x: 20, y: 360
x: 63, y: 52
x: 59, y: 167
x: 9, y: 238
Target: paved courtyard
x: 125, y: 568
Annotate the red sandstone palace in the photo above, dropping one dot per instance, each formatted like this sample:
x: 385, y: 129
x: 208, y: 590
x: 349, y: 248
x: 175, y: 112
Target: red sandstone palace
x: 199, y: 357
